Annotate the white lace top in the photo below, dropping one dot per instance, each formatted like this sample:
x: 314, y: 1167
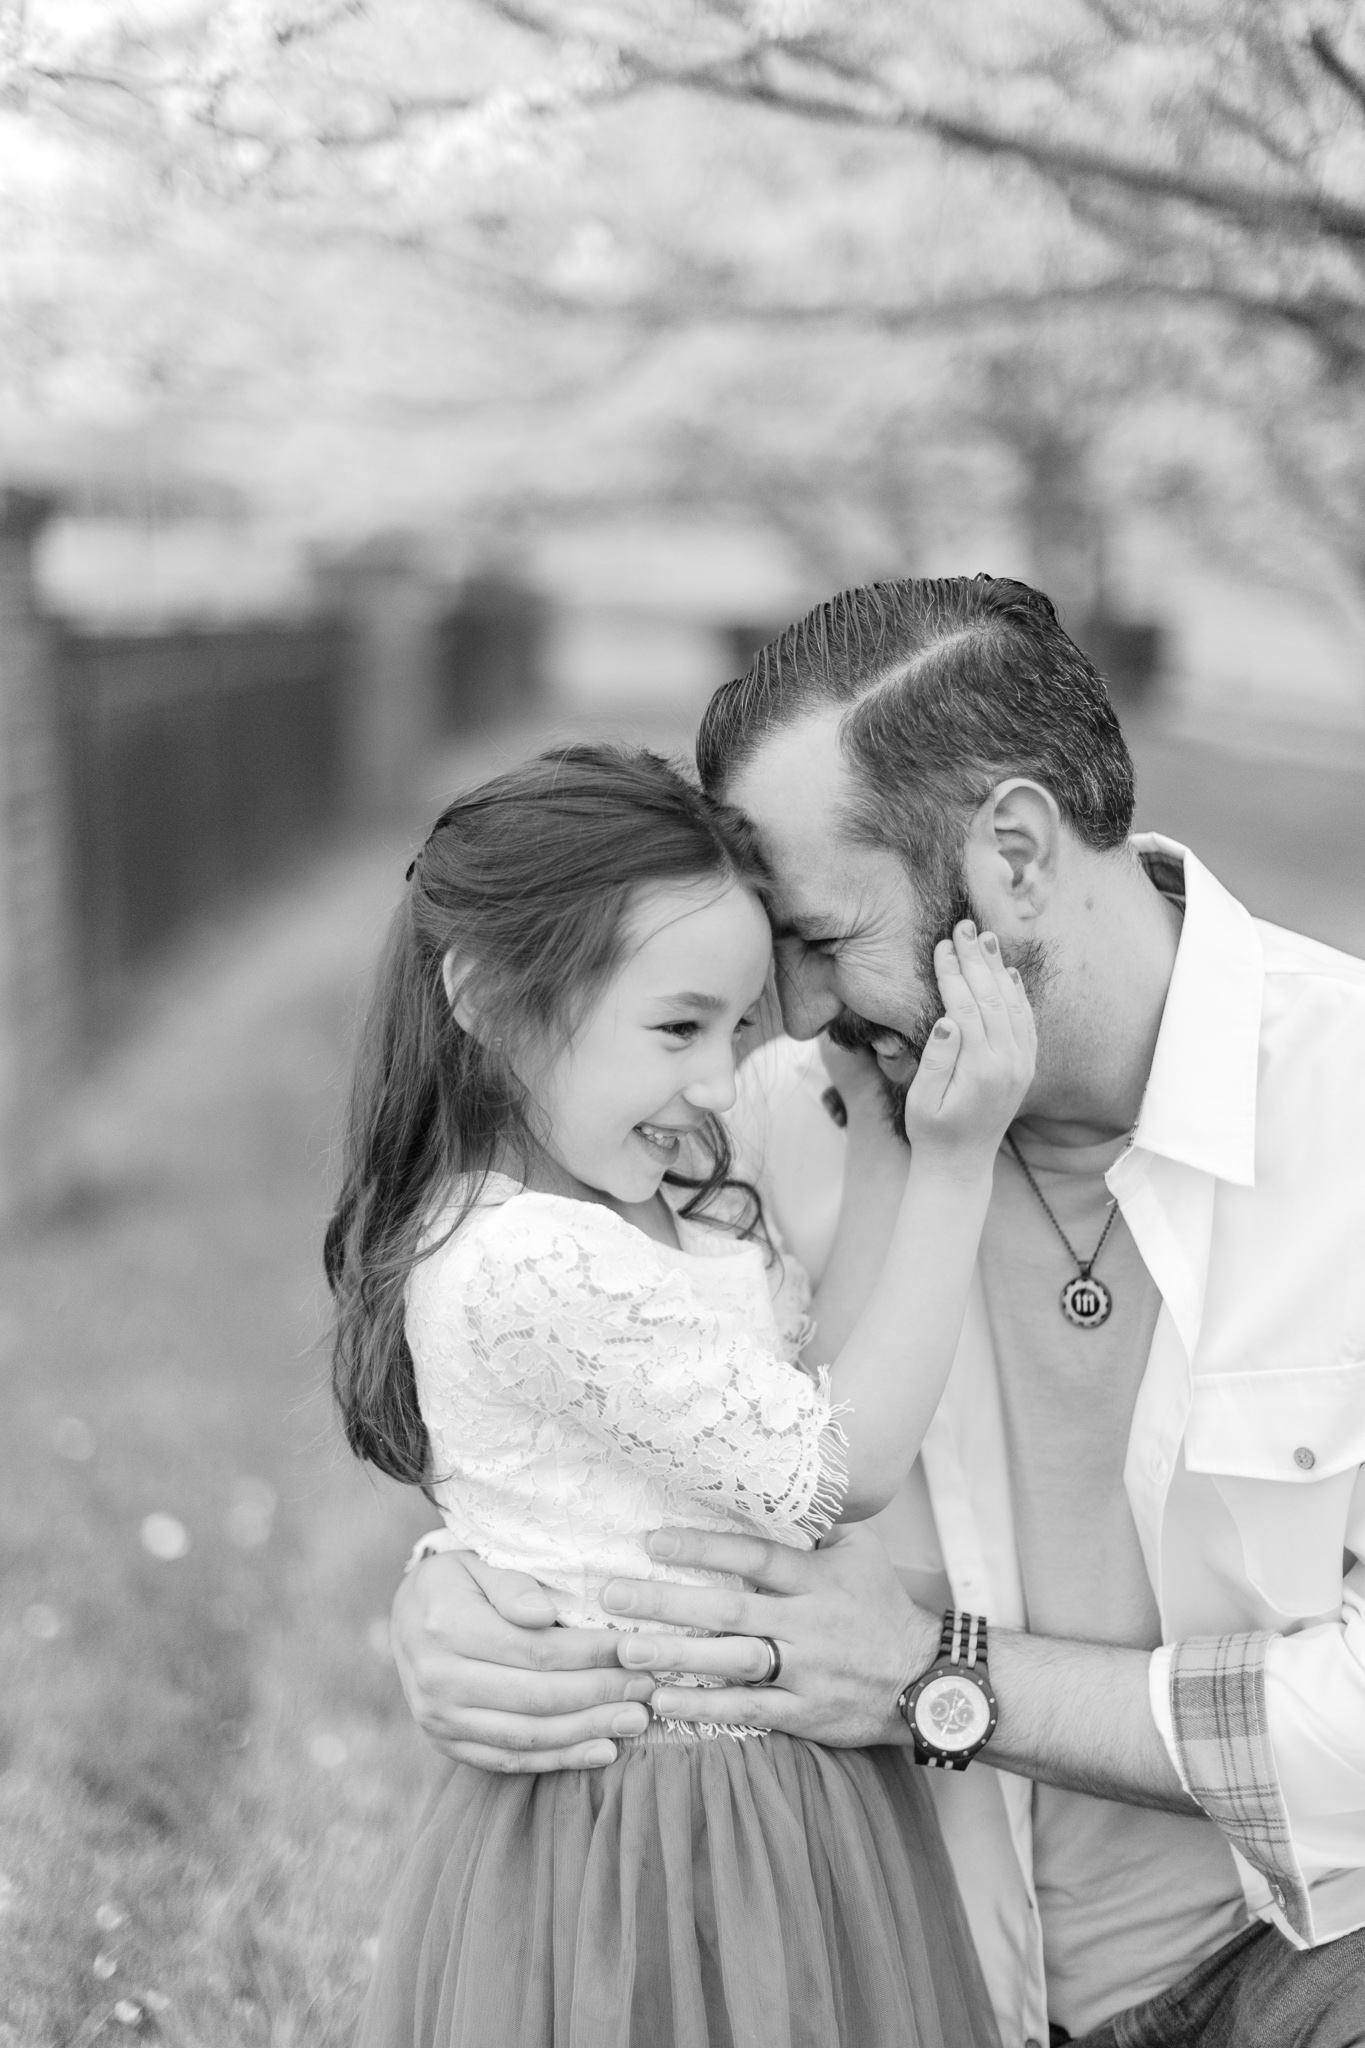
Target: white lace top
x: 582, y: 1384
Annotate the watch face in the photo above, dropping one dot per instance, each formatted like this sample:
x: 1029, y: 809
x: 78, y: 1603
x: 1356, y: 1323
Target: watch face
x: 952, y: 1713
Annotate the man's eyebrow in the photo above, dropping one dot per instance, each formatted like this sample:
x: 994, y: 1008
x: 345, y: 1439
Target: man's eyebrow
x: 797, y: 926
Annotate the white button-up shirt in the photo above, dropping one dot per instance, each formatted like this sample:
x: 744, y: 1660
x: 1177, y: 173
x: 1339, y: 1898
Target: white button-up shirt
x: 1244, y: 1190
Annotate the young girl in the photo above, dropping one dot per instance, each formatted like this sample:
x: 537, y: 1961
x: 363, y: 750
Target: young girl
x: 560, y: 1313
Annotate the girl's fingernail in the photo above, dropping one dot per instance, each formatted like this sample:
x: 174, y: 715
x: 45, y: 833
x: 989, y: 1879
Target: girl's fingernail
x: 1015, y: 975
x: 967, y: 928
x: 661, y: 1544
x: 943, y: 1029
x: 630, y: 1721
x: 637, y: 1652
x: 989, y: 942
x: 599, y: 1753
x: 641, y: 1689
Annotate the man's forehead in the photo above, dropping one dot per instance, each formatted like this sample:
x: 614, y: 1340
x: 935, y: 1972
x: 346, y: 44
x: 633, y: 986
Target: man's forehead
x: 796, y: 789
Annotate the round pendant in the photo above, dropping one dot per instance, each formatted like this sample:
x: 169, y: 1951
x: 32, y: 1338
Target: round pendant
x: 1086, y: 1302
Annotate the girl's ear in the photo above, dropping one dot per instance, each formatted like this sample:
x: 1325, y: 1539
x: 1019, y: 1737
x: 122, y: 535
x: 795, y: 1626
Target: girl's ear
x: 455, y: 974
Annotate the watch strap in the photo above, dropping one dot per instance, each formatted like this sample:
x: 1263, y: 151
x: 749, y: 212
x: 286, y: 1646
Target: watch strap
x: 963, y: 1639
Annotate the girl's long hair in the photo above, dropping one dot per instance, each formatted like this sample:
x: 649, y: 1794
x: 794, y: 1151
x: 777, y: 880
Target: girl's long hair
x: 527, y: 879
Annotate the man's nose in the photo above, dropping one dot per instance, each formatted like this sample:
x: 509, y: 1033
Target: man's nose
x: 805, y: 990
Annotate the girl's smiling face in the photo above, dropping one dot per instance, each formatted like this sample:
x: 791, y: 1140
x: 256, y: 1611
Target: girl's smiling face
x: 656, y: 1054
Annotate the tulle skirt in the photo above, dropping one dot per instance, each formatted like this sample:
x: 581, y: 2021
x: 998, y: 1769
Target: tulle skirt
x: 710, y: 1894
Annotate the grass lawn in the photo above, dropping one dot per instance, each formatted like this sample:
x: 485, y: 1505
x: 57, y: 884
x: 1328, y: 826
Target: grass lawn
x: 207, y: 1773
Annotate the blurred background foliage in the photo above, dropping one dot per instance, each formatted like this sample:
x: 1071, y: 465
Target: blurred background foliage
x: 860, y: 267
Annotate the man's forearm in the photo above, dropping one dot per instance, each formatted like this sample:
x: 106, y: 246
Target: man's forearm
x: 1072, y: 1714
x: 1077, y: 1715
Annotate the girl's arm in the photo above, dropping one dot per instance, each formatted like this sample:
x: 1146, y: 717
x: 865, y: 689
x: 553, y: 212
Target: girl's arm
x: 876, y: 1162
x: 971, y: 1080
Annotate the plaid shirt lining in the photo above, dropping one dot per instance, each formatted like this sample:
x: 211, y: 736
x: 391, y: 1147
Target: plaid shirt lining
x: 1218, y: 1711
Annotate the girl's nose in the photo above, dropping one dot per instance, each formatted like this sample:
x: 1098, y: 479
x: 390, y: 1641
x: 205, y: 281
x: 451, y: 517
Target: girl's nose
x: 714, y: 1088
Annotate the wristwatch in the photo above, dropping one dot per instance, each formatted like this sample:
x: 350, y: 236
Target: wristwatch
x: 951, y: 1710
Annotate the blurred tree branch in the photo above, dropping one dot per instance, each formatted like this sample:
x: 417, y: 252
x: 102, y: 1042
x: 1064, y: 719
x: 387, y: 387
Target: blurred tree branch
x: 735, y: 242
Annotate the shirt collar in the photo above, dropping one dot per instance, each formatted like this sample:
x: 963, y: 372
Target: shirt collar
x: 1200, y: 1102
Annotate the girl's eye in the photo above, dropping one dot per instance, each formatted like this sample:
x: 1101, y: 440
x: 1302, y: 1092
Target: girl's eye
x: 685, y: 1027
x: 745, y: 1024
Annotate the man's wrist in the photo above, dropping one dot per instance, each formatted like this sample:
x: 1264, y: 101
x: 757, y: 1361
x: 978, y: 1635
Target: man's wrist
x: 918, y: 1652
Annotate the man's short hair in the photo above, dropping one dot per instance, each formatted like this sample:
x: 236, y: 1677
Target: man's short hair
x: 951, y: 686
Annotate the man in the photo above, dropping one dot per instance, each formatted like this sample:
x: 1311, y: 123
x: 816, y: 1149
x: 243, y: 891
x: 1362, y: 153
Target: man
x: 1146, y: 1471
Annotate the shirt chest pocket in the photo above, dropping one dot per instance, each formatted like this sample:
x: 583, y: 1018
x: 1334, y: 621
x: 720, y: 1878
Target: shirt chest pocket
x: 1284, y: 1450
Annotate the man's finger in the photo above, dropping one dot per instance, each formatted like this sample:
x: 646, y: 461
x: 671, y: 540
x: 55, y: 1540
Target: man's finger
x: 441, y: 1607
x: 508, y: 1691
x: 583, y: 1756
x: 773, y: 1567
x: 516, y: 1595
x: 525, y: 1734
x: 741, y: 1659
x: 720, y: 1610
x: 739, y: 1706
x: 480, y: 1634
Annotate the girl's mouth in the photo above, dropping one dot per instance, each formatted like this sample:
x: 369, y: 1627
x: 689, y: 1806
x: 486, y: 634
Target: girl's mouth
x: 663, y: 1140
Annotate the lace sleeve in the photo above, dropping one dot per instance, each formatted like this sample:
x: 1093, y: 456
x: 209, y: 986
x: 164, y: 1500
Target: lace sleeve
x: 568, y: 1311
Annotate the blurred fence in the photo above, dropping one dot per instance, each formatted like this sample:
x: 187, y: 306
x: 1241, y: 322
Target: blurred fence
x: 489, y: 652
x: 151, y: 779
x: 194, y: 762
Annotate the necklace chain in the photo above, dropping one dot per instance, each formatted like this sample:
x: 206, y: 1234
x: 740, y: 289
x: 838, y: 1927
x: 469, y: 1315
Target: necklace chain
x: 1083, y: 1266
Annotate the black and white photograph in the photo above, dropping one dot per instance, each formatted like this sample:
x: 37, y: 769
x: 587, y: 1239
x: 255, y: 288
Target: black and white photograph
x: 682, y: 1023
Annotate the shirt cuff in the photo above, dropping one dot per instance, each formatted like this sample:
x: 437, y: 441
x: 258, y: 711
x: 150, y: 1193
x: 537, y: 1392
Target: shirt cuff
x: 434, y: 1540
x: 1208, y: 1701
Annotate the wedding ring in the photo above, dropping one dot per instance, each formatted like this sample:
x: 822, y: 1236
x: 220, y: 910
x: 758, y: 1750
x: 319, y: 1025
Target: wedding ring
x: 774, y: 1670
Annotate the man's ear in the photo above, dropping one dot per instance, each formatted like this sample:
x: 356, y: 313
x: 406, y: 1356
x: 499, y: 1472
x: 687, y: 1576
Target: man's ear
x: 1013, y: 847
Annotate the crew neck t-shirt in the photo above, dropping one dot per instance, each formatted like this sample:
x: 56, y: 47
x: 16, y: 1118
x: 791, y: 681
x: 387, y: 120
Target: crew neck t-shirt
x: 1129, y: 1898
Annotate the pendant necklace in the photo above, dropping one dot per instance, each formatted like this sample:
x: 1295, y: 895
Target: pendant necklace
x: 1086, y: 1302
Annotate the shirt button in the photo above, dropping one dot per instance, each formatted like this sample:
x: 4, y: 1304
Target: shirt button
x: 1304, y: 1458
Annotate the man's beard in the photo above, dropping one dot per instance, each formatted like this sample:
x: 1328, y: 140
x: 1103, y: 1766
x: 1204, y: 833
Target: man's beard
x: 943, y: 909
